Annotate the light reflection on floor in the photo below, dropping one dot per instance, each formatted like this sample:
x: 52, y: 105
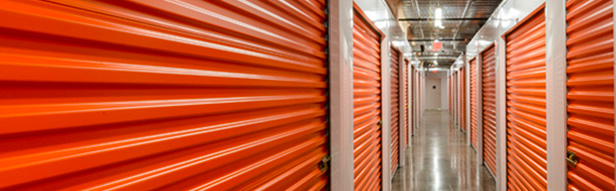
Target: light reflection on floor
x: 439, y: 158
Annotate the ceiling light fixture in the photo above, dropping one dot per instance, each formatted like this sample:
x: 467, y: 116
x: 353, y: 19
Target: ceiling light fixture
x: 438, y: 15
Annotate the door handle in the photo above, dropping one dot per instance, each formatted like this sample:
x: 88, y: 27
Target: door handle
x: 572, y: 159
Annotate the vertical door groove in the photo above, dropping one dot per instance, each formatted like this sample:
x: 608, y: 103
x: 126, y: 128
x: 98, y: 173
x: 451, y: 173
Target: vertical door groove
x: 167, y: 95
x: 591, y: 94
x: 366, y: 103
x: 526, y: 104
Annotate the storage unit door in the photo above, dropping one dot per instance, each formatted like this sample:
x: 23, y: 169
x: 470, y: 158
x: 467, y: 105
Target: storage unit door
x: 366, y: 103
x: 462, y: 97
x: 455, y: 110
x: 406, y: 102
x: 449, y: 95
x: 451, y: 102
x: 395, y: 110
x: 414, y: 106
x: 591, y: 94
x: 489, y: 107
x: 168, y: 95
x: 419, y: 96
x: 473, y: 64
x: 526, y: 124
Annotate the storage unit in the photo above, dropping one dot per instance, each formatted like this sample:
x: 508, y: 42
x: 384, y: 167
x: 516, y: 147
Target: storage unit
x: 395, y: 110
x: 455, y: 98
x: 526, y: 103
x: 489, y: 106
x: 591, y: 94
x: 418, y: 93
x: 474, y: 109
x: 462, y: 99
x: 452, y: 98
x: 414, y: 100
x: 366, y: 102
x: 143, y: 95
x: 406, y: 102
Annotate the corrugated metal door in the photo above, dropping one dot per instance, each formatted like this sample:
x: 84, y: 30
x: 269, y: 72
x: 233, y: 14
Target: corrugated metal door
x: 473, y: 64
x: 591, y: 94
x: 450, y: 98
x: 169, y: 95
x: 526, y: 131
x: 420, y: 92
x: 406, y: 102
x: 462, y: 96
x: 455, y: 108
x: 367, y: 102
x: 489, y: 107
x: 414, y: 106
x: 452, y: 102
x: 395, y: 111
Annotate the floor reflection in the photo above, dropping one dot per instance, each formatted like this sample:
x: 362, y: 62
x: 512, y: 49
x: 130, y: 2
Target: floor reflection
x: 438, y: 158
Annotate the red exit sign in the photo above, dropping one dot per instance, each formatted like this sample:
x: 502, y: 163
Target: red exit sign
x: 436, y: 46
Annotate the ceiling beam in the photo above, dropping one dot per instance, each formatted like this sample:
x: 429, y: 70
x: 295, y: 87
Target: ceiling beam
x: 437, y: 58
x: 444, y: 19
x: 433, y: 39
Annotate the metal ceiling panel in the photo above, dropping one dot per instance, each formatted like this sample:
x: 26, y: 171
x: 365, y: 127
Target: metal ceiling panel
x: 452, y: 29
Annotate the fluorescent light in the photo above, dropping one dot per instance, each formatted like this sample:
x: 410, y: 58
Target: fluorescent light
x: 438, y: 15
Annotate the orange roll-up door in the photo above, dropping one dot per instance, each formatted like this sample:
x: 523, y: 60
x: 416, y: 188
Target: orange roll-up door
x: 526, y: 105
x: 406, y: 102
x: 450, y: 99
x: 462, y: 97
x: 454, y: 96
x: 164, y: 95
x: 591, y: 94
x: 489, y: 107
x: 367, y: 102
x: 450, y: 93
x: 395, y: 110
x: 413, y: 97
x: 416, y: 104
x: 473, y: 64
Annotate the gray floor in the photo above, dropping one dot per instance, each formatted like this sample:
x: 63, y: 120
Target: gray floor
x: 438, y: 158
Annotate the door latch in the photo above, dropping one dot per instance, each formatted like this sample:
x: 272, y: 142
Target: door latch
x: 572, y: 159
x: 324, y: 164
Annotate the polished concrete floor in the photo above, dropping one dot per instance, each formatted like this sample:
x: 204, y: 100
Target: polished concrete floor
x: 439, y: 158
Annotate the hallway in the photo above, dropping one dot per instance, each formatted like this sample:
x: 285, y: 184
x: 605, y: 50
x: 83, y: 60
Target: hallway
x: 439, y: 158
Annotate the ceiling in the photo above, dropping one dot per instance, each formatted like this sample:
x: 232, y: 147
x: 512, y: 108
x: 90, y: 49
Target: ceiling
x: 461, y: 20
